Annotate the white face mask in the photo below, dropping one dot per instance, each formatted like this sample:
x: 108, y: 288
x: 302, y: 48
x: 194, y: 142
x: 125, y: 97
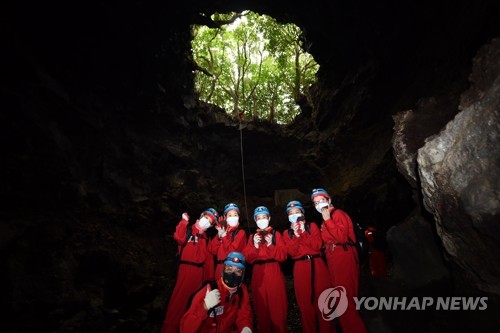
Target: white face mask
x: 293, y: 218
x: 321, y: 206
x: 233, y: 221
x: 262, y: 223
x: 204, y: 223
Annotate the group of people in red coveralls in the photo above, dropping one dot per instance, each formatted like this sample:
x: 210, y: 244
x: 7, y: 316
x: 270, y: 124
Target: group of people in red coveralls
x: 223, y: 303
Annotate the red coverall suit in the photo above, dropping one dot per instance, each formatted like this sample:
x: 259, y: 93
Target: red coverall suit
x: 268, y: 283
x: 342, y: 261
x: 306, y: 251
x: 378, y: 266
x: 222, y: 247
x: 232, y: 314
x: 196, y: 266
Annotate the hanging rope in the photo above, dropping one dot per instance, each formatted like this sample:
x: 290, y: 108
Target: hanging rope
x: 243, y: 175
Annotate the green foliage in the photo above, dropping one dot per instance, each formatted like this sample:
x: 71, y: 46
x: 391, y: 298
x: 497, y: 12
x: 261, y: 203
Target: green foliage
x: 254, y: 65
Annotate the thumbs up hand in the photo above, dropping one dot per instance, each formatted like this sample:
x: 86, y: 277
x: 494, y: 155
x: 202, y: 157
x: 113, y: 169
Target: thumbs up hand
x: 212, y: 298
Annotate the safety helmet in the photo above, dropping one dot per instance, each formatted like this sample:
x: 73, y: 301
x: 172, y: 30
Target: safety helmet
x: 294, y: 204
x: 235, y: 259
x: 231, y: 206
x: 261, y: 210
x: 319, y: 191
x: 213, y: 214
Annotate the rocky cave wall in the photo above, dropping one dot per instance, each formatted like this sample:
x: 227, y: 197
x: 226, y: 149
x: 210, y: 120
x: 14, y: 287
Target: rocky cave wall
x: 457, y: 169
x: 105, y: 144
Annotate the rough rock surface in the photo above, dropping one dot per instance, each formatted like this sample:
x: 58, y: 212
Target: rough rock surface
x: 459, y: 171
x: 412, y: 127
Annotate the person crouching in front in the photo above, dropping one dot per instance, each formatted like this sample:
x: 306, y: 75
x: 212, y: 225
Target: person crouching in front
x: 222, y: 305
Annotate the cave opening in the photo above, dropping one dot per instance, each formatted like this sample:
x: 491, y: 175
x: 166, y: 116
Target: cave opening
x: 252, y: 66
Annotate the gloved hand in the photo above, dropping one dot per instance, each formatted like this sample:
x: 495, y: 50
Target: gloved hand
x: 256, y: 240
x: 212, y: 298
x: 221, y: 231
x: 302, y: 226
x: 269, y: 239
x: 185, y: 216
x: 246, y: 330
x: 295, y: 227
x: 222, y: 221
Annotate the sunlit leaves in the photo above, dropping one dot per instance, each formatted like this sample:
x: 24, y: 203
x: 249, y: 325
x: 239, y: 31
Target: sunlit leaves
x: 254, y: 65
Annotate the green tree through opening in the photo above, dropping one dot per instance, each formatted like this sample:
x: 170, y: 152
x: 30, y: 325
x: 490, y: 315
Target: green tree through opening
x: 252, y: 66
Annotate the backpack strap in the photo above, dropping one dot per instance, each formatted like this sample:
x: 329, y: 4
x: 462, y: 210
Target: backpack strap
x: 213, y: 284
x: 178, y: 255
x: 240, y: 295
x: 233, y: 235
x: 188, y: 235
x: 239, y: 292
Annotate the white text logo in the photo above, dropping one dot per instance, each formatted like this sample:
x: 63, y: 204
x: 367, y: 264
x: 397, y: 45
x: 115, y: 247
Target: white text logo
x: 333, y: 303
x: 421, y: 303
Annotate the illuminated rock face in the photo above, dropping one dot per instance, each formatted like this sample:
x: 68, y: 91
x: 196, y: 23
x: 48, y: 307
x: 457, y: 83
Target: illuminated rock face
x: 459, y: 171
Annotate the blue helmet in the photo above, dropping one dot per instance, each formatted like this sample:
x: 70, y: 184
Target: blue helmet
x: 261, y: 210
x: 213, y: 213
x: 231, y: 206
x: 319, y: 191
x: 294, y: 204
x: 235, y: 259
